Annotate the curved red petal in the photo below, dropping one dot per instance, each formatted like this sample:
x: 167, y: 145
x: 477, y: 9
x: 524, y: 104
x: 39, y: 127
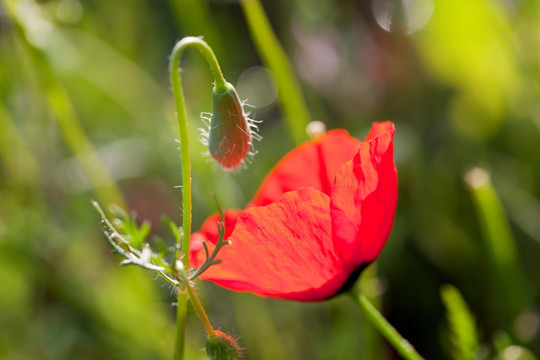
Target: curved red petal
x: 283, y: 250
x: 380, y: 129
x: 312, y: 164
x: 364, y: 198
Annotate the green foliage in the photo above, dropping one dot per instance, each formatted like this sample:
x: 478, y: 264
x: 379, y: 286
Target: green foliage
x: 134, y: 233
x: 499, y: 243
x: 175, y: 230
x: 462, y: 325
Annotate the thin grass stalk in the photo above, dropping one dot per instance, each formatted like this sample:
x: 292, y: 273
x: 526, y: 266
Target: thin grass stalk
x: 65, y: 115
x: 274, y: 57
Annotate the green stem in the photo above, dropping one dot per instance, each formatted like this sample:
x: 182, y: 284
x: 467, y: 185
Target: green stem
x: 402, y: 346
x: 220, y: 84
x: 181, y: 311
x: 176, y: 83
x: 196, y: 302
x: 274, y: 57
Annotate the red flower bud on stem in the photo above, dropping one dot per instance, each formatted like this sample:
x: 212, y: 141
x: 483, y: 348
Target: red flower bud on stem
x: 230, y: 135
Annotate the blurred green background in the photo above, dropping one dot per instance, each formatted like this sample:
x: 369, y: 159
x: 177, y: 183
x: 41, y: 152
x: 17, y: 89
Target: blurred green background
x: 85, y: 103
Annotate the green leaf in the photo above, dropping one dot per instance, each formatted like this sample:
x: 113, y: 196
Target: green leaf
x: 462, y: 328
x: 136, y: 235
x: 175, y: 230
x: 499, y: 244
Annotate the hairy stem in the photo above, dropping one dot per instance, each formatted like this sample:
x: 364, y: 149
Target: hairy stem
x: 176, y: 83
x: 220, y: 84
x: 181, y: 311
x: 196, y: 302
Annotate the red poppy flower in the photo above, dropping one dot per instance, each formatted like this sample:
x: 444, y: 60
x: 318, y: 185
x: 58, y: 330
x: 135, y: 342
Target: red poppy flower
x: 321, y: 215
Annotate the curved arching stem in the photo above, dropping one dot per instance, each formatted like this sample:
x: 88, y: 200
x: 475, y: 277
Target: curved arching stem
x: 176, y: 83
x: 220, y: 84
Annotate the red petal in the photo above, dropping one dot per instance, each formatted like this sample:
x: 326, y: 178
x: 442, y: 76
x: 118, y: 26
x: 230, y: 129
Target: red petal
x: 380, y: 129
x: 364, y: 198
x: 209, y: 234
x: 312, y: 164
x: 283, y: 250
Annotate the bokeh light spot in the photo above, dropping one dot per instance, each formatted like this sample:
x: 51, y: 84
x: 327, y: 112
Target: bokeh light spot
x: 527, y: 325
x: 407, y: 16
x: 257, y: 86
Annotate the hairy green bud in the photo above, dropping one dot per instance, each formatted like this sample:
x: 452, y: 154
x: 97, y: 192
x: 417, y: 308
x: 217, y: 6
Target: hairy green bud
x: 222, y: 347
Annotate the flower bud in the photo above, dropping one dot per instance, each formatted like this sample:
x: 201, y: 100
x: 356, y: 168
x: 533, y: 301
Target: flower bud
x: 222, y: 347
x: 229, y: 139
